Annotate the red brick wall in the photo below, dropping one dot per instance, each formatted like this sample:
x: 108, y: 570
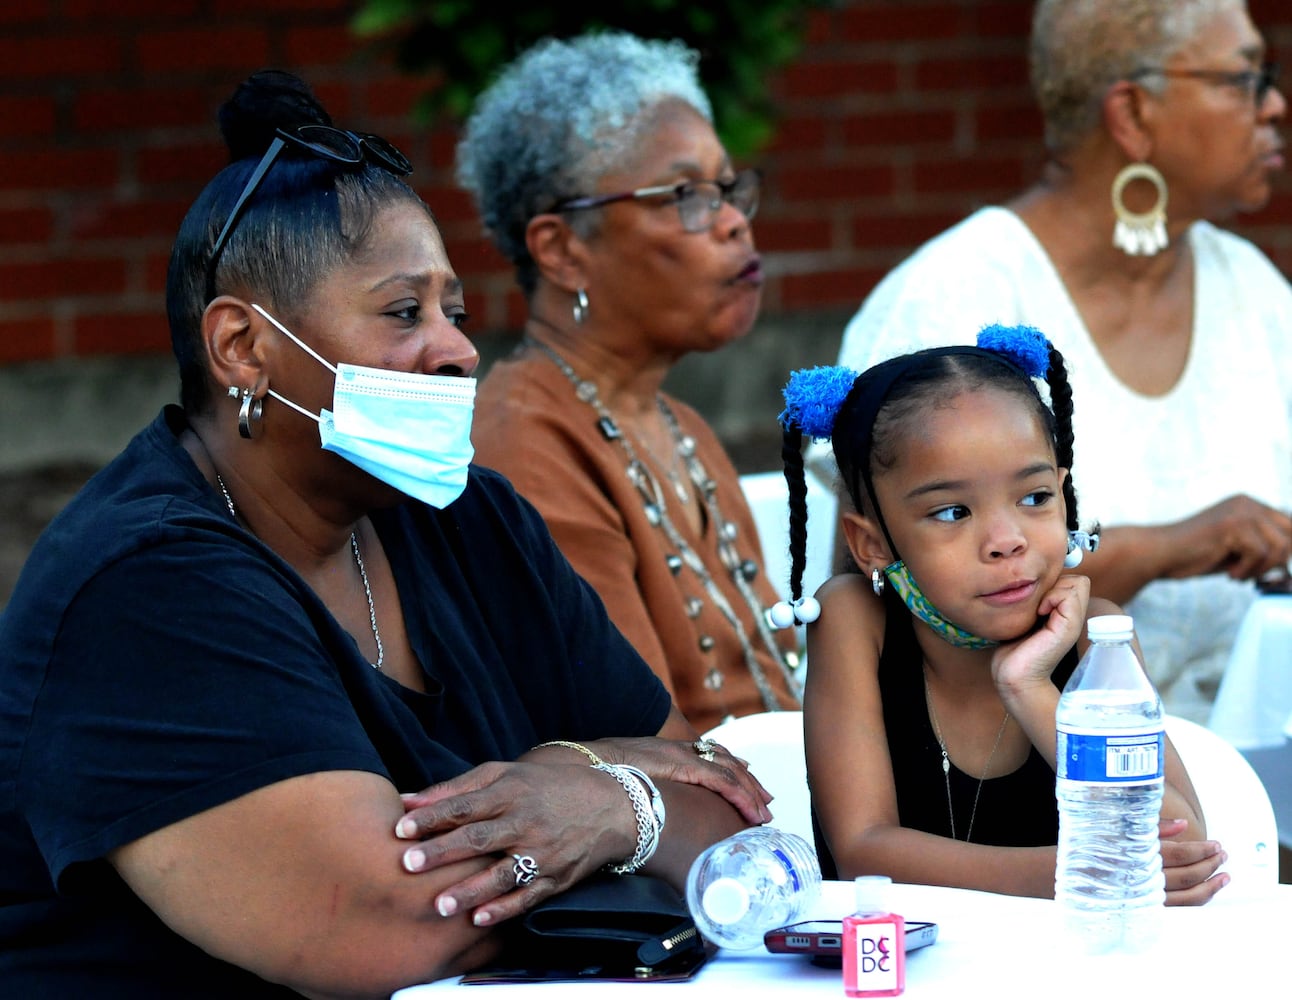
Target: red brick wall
x: 900, y: 117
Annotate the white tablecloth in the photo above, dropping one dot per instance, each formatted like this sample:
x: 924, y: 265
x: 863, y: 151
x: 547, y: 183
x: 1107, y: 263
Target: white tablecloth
x: 997, y: 947
x: 1253, y: 707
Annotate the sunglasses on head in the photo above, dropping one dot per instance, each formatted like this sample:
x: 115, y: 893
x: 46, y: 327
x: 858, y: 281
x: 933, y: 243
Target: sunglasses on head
x: 350, y: 149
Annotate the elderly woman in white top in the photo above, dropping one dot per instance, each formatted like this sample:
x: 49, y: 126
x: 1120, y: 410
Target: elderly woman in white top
x: 1178, y: 334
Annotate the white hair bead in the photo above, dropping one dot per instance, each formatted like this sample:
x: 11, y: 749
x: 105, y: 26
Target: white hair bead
x: 780, y: 615
x: 807, y: 609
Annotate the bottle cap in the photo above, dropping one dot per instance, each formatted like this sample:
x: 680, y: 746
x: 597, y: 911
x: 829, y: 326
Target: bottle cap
x: 871, y: 892
x: 1110, y: 627
x: 725, y: 900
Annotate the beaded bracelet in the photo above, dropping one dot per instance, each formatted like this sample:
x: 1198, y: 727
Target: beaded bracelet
x: 649, y: 824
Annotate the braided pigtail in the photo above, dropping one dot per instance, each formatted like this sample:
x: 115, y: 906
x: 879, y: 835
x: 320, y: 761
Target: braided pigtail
x: 1061, y: 403
x: 1079, y: 542
x: 796, y: 488
x: 812, y: 400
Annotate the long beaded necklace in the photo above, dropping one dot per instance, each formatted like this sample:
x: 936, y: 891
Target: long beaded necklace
x: 670, y: 468
x: 358, y: 561
x: 946, y: 762
x: 741, y: 570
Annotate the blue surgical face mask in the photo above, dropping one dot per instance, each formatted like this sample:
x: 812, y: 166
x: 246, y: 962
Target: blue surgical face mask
x: 919, y: 605
x: 411, y: 431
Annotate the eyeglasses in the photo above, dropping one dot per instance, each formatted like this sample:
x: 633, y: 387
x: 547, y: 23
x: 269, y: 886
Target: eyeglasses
x: 698, y: 202
x: 350, y: 149
x: 1254, y: 82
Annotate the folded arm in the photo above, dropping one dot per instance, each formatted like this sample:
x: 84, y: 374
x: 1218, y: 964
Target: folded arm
x: 580, y: 821
x: 301, y: 883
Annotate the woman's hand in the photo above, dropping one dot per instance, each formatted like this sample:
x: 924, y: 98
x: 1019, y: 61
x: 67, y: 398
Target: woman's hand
x: 680, y: 761
x: 1238, y: 536
x: 571, y: 819
x: 1189, y: 866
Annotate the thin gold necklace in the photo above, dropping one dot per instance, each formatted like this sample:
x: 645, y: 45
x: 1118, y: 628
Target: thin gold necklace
x: 358, y: 561
x: 946, y: 761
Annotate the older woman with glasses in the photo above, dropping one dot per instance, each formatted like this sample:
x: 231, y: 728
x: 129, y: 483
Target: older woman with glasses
x: 1161, y: 124
x: 293, y: 598
x: 597, y: 172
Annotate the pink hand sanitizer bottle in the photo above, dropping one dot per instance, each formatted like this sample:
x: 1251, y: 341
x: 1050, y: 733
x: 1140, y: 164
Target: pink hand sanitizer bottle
x: 874, y: 943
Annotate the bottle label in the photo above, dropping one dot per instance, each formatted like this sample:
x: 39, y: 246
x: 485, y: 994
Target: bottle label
x: 790, y: 870
x: 1128, y: 758
x: 875, y: 950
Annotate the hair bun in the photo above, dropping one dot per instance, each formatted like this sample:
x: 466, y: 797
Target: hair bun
x: 264, y: 102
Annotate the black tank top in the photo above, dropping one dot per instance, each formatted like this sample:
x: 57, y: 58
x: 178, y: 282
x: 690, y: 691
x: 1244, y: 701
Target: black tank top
x: 1014, y: 810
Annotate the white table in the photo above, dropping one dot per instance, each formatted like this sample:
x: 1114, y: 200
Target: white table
x: 1253, y: 707
x: 998, y: 947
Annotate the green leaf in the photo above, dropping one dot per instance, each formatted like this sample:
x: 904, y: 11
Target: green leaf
x: 458, y: 46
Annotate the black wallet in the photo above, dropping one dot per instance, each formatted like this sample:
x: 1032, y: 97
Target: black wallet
x: 628, y: 928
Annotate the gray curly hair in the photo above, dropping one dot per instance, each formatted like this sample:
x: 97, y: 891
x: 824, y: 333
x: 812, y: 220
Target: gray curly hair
x: 559, y: 117
x: 1080, y: 48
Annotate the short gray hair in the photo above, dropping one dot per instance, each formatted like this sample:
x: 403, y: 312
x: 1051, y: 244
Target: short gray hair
x: 561, y: 115
x: 1080, y: 48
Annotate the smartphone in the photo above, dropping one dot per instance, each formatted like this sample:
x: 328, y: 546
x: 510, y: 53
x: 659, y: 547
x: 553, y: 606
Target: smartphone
x: 822, y: 940
x: 1275, y: 583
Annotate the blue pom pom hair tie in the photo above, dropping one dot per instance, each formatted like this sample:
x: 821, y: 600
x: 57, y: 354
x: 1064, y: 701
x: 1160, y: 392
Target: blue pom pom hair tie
x: 1026, y: 346
x: 813, y: 397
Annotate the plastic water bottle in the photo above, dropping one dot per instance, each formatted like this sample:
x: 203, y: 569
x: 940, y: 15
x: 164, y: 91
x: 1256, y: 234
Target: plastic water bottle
x: 1109, y: 786
x: 752, y: 882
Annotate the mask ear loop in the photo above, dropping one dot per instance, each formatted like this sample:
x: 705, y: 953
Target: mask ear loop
x: 308, y: 350
x: 296, y: 340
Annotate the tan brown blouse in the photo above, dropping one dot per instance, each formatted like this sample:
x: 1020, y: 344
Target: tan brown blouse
x: 530, y: 426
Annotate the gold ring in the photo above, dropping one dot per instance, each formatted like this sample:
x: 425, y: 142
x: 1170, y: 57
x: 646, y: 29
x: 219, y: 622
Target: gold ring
x: 705, y: 748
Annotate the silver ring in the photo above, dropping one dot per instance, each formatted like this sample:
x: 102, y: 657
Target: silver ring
x: 705, y: 748
x: 525, y: 869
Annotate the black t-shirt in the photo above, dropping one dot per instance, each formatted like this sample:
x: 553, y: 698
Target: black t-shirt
x: 1018, y: 809
x: 158, y: 660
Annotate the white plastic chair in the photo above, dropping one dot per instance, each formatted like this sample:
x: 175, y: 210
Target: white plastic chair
x: 772, y: 742
x: 1234, y: 802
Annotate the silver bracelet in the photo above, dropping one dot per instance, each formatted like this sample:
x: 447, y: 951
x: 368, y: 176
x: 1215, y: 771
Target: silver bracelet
x: 648, y: 825
x: 656, y: 800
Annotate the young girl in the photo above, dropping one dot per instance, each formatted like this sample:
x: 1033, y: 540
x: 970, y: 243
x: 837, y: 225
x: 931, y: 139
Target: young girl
x: 935, y: 671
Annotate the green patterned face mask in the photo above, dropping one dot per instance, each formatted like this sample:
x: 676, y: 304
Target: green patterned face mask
x: 909, y: 591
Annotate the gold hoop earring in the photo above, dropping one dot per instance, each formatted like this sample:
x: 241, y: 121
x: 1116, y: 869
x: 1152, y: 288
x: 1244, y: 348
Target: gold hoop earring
x: 1140, y: 234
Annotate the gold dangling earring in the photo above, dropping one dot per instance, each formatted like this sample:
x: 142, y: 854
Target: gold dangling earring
x: 1140, y: 234
x: 248, y: 412
x: 580, y: 306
